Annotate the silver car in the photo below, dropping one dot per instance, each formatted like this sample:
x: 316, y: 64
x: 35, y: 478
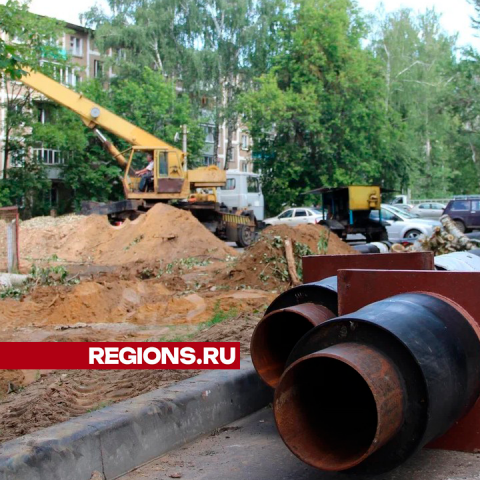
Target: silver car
x: 400, y: 224
x: 431, y: 210
x: 296, y: 216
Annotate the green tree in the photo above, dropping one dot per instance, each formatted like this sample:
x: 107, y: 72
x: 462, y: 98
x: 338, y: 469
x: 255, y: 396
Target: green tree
x: 418, y: 60
x: 319, y: 119
x: 463, y: 103
x: 29, y: 38
x: 30, y: 41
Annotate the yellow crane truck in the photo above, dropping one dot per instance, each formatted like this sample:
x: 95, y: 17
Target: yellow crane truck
x: 172, y: 180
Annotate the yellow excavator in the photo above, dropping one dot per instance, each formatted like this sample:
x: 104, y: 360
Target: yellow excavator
x: 171, y: 178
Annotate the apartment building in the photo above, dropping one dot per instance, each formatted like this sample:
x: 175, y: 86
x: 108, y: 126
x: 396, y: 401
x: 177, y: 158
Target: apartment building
x: 78, y: 42
x: 241, y: 157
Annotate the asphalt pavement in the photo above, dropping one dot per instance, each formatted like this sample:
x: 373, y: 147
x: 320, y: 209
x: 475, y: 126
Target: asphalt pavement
x: 250, y: 449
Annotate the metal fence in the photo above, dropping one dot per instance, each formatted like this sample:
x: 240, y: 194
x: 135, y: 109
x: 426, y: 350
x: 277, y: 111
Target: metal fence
x: 9, y: 240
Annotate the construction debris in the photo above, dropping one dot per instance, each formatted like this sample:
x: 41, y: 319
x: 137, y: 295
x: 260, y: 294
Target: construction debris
x: 264, y: 265
x: 445, y: 239
x: 292, y: 268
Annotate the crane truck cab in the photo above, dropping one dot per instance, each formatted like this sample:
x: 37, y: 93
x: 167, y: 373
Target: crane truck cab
x: 242, y: 191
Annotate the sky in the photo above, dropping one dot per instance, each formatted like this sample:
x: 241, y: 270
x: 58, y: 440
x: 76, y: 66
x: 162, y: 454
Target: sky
x: 455, y: 13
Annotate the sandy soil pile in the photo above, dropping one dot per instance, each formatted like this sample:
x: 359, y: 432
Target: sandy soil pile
x: 61, y: 395
x: 163, y: 234
x: 41, y: 237
x: 263, y: 265
x: 113, y: 300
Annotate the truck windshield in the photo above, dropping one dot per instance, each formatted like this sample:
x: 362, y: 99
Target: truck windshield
x: 253, y: 185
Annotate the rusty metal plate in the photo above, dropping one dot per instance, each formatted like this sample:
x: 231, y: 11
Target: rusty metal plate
x: 318, y: 267
x: 169, y: 185
x: 357, y: 288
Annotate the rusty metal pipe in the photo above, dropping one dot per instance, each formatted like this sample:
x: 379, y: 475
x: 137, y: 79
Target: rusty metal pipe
x: 326, y: 400
x: 335, y: 407
x: 277, y: 333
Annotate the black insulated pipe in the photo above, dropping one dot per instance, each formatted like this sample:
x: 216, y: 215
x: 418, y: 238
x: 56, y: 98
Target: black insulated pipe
x: 432, y: 347
x: 322, y: 293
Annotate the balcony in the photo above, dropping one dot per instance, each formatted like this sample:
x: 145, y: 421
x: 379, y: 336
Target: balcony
x: 52, y: 158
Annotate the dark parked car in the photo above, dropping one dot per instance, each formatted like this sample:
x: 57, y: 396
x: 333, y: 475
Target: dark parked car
x: 465, y: 212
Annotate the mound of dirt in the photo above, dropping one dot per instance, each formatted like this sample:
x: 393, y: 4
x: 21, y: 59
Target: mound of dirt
x: 264, y: 265
x: 58, y: 396
x: 41, y: 237
x: 110, y: 299
x: 163, y: 234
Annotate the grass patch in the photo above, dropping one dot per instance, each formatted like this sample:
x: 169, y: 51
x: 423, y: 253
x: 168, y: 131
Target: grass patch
x: 219, y: 316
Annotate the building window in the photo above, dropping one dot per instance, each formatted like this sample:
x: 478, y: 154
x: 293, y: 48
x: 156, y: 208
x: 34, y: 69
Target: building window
x: 209, y: 133
x: 48, y: 156
x: 244, y: 167
x: 17, y: 158
x: 121, y: 55
x: 244, y: 142
x: 72, y: 77
x: 45, y: 113
x: 209, y: 160
x: 97, y: 68
x: 76, y: 46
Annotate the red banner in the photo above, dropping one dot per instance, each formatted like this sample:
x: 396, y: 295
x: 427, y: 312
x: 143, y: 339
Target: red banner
x: 120, y: 355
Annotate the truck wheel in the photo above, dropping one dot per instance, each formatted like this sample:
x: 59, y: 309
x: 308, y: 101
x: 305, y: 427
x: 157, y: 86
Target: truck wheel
x: 246, y: 234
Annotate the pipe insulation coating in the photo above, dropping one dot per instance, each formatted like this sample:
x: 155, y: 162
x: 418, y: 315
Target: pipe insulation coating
x: 362, y: 392
x: 322, y: 293
x: 290, y: 316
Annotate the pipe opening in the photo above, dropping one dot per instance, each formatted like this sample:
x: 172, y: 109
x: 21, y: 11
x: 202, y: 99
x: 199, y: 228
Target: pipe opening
x: 326, y: 413
x: 273, y: 341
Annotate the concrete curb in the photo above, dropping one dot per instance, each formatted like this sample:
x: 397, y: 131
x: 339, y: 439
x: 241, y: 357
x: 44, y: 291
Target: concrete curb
x: 116, y: 439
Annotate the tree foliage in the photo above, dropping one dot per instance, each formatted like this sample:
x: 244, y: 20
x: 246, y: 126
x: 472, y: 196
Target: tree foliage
x: 318, y: 118
x: 418, y: 60
x: 29, y: 39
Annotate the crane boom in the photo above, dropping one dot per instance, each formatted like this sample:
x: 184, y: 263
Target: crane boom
x: 92, y: 114
x: 167, y: 180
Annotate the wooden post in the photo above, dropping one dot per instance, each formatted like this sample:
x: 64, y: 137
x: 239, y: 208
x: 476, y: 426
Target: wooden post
x: 12, y: 252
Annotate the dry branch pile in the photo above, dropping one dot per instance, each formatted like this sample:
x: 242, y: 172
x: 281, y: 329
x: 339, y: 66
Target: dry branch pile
x: 445, y: 239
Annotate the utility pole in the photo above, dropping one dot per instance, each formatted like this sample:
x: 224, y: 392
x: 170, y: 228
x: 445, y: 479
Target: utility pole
x: 184, y: 145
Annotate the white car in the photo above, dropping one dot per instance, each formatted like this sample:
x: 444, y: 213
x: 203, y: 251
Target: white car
x: 296, y: 216
x: 400, y: 224
x: 431, y: 210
